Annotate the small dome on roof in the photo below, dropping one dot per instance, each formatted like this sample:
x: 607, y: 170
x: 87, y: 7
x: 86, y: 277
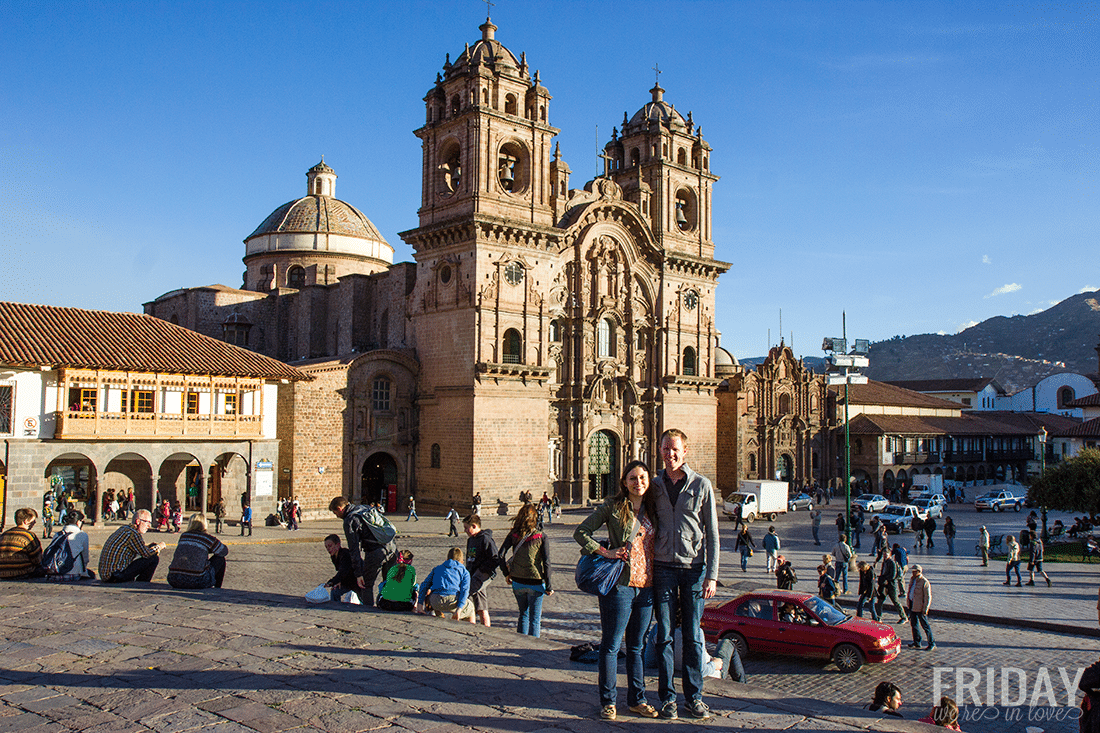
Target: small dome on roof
x: 658, y: 111
x: 320, y: 214
x: 486, y: 52
x: 724, y: 358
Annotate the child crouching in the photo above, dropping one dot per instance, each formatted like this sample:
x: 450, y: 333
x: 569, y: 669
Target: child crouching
x: 447, y: 588
x: 398, y: 590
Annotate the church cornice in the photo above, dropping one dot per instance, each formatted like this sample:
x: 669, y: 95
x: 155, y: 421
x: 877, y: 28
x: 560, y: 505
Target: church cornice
x: 482, y: 228
x: 680, y: 263
x: 512, y: 372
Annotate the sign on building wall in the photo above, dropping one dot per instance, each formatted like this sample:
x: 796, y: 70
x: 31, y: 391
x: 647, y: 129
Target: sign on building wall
x: 264, y: 478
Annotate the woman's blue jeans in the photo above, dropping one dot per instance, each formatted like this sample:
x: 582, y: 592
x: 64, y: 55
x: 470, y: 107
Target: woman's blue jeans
x: 744, y: 557
x: 625, y: 610
x: 529, y: 598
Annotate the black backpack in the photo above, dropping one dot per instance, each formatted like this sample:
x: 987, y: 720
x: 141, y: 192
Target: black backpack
x: 58, y: 558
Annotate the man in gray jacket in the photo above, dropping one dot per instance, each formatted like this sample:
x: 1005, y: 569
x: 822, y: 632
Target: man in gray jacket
x: 685, y: 571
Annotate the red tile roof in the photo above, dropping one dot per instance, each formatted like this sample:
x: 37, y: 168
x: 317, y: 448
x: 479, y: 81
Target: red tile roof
x: 881, y: 393
x: 1087, y: 429
x: 982, y: 423
x: 1091, y: 400
x: 976, y: 384
x: 44, y: 335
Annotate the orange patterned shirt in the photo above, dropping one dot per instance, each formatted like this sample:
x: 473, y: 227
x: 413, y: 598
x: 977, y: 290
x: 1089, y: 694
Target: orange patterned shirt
x: 641, y: 555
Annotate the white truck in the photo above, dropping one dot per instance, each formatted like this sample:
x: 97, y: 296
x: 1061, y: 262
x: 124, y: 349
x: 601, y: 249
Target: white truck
x: 757, y: 499
x: 928, y: 483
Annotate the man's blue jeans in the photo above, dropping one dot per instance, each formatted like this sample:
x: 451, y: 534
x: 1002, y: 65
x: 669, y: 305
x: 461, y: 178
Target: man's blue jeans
x: 679, y: 588
x: 840, y: 573
x: 624, y: 610
x: 919, y: 621
x: 529, y: 598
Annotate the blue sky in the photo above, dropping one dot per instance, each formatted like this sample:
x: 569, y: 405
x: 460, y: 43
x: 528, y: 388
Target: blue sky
x: 920, y: 165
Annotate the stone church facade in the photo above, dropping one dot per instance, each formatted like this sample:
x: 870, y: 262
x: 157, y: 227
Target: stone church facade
x: 544, y: 335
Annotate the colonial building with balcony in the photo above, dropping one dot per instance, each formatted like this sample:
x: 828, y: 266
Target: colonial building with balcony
x: 96, y: 401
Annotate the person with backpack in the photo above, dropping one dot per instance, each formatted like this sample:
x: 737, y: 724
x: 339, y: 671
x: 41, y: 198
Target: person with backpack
x: 67, y: 558
x: 529, y: 569
x: 785, y: 577
x: 371, y: 542
x: 888, y: 579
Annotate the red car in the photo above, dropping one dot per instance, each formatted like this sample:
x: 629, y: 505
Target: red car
x: 801, y: 625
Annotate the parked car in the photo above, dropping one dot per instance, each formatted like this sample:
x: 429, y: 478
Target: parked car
x: 800, y: 501
x: 871, y: 502
x: 930, y: 505
x: 802, y: 625
x: 897, y: 517
x: 998, y: 501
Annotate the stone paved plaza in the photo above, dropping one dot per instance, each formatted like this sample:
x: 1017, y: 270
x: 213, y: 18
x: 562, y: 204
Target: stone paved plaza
x: 257, y: 657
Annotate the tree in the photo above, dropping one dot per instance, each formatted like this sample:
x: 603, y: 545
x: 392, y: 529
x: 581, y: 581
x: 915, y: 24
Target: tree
x: 1072, y: 485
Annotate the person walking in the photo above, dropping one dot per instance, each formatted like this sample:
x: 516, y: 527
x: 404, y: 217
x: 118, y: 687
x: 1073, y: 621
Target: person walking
x: 867, y: 590
x: 842, y: 556
x: 917, y: 525
x: 771, y: 549
x: 219, y: 515
x: 529, y: 569
x: 857, y: 526
x: 412, y: 510
x: 949, y: 534
x: 1013, y: 562
x: 983, y: 545
x: 826, y: 586
x: 919, y: 601
x: 631, y: 520
x: 784, y: 576
x: 888, y: 579
x: 815, y: 524
x: 745, y: 546
x: 1035, y: 560
x: 930, y: 531
x: 685, y: 573
x: 452, y: 517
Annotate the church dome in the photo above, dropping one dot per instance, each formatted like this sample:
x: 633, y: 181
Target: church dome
x: 725, y: 365
x: 318, y: 214
x: 656, y: 111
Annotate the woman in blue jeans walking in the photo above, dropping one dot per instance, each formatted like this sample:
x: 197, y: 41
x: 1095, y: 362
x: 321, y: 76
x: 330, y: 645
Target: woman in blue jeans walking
x: 631, y: 519
x: 529, y: 569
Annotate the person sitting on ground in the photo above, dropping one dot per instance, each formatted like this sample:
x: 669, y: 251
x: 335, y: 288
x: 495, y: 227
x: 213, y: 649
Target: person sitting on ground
x: 125, y: 557
x: 78, y: 549
x: 199, y: 560
x: 945, y: 715
x: 887, y: 699
x: 398, y: 592
x: 20, y: 550
x: 447, y: 588
x: 345, y: 579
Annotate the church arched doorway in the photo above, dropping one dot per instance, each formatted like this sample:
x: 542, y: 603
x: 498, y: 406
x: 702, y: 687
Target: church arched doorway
x: 603, y: 464
x: 379, y: 481
x: 784, y: 468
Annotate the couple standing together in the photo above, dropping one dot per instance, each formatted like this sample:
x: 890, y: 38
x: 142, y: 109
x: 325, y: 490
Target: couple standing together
x: 665, y: 527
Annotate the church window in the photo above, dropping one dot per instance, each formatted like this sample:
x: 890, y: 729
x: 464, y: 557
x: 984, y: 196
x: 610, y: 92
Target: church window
x: 634, y: 156
x: 512, y: 167
x: 606, y: 338
x: 513, y: 347
x: 784, y: 404
x: 752, y: 463
x: 485, y: 95
x: 456, y: 105
x: 813, y: 403
x: 555, y: 330
x: 681, y: 156
x: 510, y: 104
x: 542, y: 112
x: 445, y: 274
x: 6, y: 404
x: 380, y: 394
x: 689, y: 362
x: 1065, y: 396
x: 436, y: 462
x: 641, y: 340
x: 296, y: 277
x: 686, y: 215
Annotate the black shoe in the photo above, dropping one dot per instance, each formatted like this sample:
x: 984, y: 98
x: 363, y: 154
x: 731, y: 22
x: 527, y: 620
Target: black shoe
x: 1048, y: 582
x: 1031, y: 582
x: 1007, y: 582
x: 699, y: 710
x: 668, y: 711
x: 1019, y: 585
x: 914, y: 645
x: 930, y: 647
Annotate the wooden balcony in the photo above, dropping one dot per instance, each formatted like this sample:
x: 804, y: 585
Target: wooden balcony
x: 93, y: 425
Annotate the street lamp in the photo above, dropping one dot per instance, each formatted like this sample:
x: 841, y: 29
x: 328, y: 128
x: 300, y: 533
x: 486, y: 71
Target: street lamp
x: 1042, y: 469
x: 843, y: 368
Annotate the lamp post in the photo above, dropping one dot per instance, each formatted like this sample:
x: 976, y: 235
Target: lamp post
x: 843, y: 368
x: 1042, y: 469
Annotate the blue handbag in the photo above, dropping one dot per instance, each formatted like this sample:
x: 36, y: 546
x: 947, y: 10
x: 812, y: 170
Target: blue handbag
x: 598, y: 575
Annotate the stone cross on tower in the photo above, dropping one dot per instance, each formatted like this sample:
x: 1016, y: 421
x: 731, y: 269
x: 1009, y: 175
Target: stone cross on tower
x: 489, y: 8
x: 656, y: 69
x: 606, y: 164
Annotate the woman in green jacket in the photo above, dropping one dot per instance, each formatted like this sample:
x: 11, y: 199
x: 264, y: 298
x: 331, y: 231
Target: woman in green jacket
x: 631, y: 519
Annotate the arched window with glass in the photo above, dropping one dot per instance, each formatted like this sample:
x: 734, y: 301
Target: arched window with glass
x: 605, y: 341
x: 513, y: 347
x: 689, y: 362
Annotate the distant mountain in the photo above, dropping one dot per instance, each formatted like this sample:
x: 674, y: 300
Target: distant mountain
x: 1016, y: 351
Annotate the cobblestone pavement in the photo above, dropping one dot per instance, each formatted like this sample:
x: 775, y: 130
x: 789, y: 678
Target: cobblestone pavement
x: 297, y: 562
